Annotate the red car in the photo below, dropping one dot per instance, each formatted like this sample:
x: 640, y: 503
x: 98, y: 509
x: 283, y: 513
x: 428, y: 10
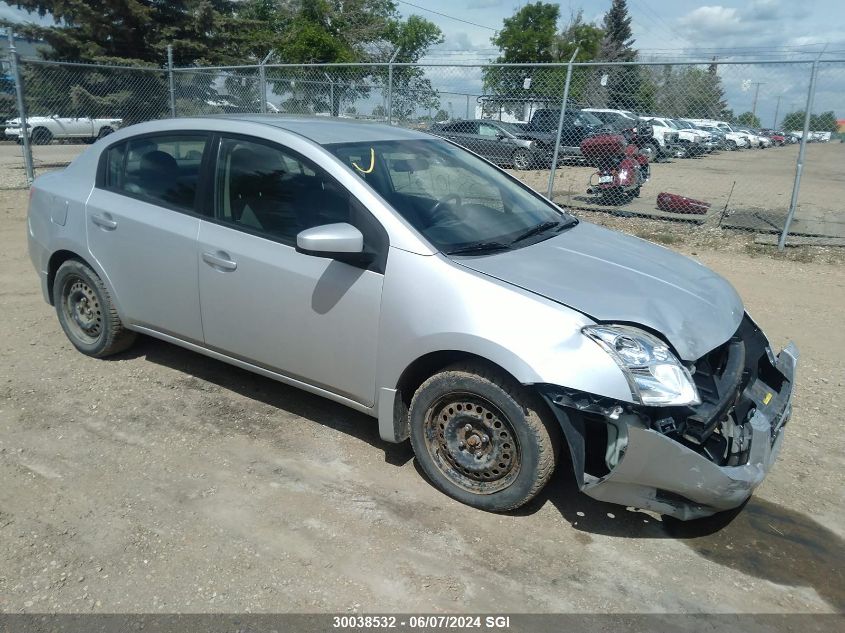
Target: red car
x: 776, y: 137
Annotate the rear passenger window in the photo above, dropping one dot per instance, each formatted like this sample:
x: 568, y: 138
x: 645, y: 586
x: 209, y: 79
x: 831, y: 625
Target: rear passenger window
x: 160, y: 169
x: 273, y: 192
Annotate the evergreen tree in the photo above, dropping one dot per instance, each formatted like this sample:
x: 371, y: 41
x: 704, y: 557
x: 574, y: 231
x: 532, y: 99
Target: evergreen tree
x: 623, y: 89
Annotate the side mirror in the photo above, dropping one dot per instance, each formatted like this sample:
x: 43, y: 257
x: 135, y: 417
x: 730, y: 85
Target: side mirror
x: 340, y: 241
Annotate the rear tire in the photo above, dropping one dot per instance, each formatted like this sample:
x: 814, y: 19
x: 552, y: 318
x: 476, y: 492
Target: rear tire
x: 41, y: 136
x: 732, y: 145
x: 522, y: 159
x: 87, y: 313
x: 482, y: 438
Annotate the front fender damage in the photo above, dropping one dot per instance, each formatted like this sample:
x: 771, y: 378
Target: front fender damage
x: 659, y: 459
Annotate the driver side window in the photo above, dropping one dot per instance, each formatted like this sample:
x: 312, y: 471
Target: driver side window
x: 488, y: 130
x: 264, y: 189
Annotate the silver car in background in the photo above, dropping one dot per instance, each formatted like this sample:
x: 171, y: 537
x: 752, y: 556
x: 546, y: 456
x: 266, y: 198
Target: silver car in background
x: 407, y: 278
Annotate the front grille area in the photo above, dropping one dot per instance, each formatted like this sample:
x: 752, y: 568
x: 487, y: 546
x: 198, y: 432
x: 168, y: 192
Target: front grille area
x: 716, y: 428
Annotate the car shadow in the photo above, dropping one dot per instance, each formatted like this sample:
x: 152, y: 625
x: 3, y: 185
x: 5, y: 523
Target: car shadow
x: 268, y: 391
x: 761, y: 538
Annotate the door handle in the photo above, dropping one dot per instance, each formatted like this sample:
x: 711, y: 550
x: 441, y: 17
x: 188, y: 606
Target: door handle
x: 219, y: 260
x: 104, y: 222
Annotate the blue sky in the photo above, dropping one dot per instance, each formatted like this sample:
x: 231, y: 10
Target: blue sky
x: 663, y: 27
x: 685, y: 30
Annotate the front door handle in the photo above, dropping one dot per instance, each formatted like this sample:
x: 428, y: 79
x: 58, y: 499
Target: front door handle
x: 219, y: 260
x: 104, y: 222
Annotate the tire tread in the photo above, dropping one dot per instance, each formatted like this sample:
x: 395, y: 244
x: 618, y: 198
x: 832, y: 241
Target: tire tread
x: 545, y: 430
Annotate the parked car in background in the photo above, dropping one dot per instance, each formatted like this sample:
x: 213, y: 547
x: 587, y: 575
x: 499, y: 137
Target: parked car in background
x: 718, y: 139
x: 500, y: 143
x: 689, y: 141
x: 757, y: 139
x: 777, y: 138
x: 753, y: 139
x: 404, y: 277
x: 707, y: 139
x: 733, y: 140
x: 43, y: 129
x: 662, y: 144
x: 577, y: 125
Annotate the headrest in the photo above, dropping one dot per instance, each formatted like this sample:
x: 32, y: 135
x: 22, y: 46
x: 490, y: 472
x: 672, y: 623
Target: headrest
x: 248, y: 160
x: 159, y: 161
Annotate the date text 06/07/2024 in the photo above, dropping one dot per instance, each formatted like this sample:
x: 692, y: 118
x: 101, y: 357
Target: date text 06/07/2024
x: 421, y: 622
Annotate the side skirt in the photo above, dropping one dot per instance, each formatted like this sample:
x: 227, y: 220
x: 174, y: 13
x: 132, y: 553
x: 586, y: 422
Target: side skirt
x: 293, y: 382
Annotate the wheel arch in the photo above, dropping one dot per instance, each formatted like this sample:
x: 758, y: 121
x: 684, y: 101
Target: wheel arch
x: 56, y: 260
x: 394, y: 404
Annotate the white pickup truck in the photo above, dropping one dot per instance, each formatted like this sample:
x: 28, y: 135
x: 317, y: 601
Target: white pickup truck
x: 689, y: 143
x: 43, y: 129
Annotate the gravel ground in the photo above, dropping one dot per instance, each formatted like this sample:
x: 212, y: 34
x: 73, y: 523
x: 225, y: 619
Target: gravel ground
x: 164, y: 481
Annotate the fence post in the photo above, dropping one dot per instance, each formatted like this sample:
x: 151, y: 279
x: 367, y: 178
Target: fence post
x: 262, y: 89
x: 262, y: 83
x: 390, y: 87
x: 331, y: 94
x: 16, y: 73
x: 799, y: 165
x: 170, y: 81
x: 560, y: 124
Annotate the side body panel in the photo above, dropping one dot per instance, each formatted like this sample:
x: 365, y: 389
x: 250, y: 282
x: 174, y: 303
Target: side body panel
x: 150, y: 261
x: 311, y: 318
x: 450, y: 308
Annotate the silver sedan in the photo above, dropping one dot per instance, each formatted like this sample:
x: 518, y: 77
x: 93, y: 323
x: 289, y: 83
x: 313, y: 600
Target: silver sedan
x: 408, y: 278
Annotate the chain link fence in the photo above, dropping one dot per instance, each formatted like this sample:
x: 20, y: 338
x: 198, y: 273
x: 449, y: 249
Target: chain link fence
x: 658, y: 140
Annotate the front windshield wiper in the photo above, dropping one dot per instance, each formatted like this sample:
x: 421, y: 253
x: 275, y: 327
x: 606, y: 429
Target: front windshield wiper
x: 479, y: 247
x: 545, y: 226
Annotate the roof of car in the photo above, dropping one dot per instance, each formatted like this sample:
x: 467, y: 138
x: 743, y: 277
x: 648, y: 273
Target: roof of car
x: 325, y: 130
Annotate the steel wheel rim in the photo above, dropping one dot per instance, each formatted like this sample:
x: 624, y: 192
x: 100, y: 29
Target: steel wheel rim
x: 82, y: 310
x: 455, y: 430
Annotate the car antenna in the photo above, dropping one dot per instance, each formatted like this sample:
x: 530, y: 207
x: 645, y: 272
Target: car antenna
x: 727, y: 202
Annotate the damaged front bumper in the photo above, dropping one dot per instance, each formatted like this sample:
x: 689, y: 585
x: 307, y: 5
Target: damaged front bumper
x: 650, y: 468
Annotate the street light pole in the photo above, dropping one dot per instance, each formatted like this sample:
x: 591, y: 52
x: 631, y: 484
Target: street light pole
x: 757, y: 85
x: 777, y: 109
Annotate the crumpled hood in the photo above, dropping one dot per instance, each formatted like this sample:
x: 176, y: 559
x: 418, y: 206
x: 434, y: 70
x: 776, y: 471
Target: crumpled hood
x: 612, y: 277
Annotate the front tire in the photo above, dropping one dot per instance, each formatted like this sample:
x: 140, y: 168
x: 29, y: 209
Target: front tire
x: 482, y: 438
x: 650, y: 150
x: 104, y: 131
x: 87, y: 313
x: 522, y: 159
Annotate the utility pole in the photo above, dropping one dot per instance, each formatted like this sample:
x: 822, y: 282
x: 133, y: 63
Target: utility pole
x: 756, y: 85
x: 777, y: 109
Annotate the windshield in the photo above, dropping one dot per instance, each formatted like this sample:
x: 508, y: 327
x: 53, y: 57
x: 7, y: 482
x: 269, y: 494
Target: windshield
x: 455, y: 199
x: 588, y: 117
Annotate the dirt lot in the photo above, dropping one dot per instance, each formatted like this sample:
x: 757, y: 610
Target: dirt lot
x: 756, y: 186
x: 165, y: 481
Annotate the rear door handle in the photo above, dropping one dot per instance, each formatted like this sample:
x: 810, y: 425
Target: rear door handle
x: 104, y: 222
x: 219, y: 260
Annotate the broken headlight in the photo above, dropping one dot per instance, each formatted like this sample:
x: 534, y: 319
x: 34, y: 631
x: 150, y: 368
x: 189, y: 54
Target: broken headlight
x: 656, y: 377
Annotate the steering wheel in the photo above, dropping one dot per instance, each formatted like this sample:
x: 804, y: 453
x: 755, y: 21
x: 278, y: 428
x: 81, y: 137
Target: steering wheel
x: 437, y: 209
